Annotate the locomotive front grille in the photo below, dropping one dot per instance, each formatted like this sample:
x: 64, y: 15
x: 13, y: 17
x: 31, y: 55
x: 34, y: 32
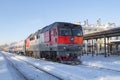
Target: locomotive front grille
x: 69, y: 48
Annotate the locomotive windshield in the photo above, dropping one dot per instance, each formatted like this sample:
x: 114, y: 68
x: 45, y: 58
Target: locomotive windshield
x: 76, y: 32
x: 70, y: 31
x: 65, y: 31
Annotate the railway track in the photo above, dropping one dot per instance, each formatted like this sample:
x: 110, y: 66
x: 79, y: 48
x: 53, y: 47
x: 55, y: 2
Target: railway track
x: 101, y: 68
x: 14, y: 66
x: 26, y: 78
x: 68, y: 75
x: 41, y: 69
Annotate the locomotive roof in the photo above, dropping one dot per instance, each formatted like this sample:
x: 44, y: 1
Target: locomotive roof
x: 29, y: 35
x: 55, y: 24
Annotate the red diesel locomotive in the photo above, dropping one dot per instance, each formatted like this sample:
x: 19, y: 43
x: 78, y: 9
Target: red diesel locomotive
x: 59, y: 41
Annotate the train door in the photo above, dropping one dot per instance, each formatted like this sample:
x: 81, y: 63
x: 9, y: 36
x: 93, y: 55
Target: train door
x: 53, y: 36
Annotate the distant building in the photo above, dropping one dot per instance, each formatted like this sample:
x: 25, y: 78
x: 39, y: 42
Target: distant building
x: 91, y: 28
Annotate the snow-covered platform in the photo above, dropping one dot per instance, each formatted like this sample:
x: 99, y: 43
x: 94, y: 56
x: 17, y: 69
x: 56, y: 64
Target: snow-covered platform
x: 110, y: 62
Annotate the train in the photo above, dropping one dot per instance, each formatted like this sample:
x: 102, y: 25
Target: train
x: 59, y: 41
x: 17, y: 47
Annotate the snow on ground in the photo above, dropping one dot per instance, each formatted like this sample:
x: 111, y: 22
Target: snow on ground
x: 4, y: 72
x: 7, y: 72
x: 14, y: 74
x: 76, y: 72
x: 29, y: 71
x: 110, y: 62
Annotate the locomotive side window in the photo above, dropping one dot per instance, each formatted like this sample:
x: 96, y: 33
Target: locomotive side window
x: 38, y: 36
x: 65, y: 31
x: 76, y: 32
x: 54, y: 32
x: 51, y: 32
x: 32, y: 38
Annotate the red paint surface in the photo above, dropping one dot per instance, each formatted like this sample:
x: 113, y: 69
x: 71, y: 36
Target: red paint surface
x: 66, y: 40
x: 27, y: 43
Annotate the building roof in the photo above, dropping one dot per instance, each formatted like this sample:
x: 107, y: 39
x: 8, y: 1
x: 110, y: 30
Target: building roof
x: 107, y: 33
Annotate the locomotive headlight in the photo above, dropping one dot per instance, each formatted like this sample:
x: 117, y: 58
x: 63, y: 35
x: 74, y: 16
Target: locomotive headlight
x: 78, y: 57
x: 67, y: 54
x: 64, y: 47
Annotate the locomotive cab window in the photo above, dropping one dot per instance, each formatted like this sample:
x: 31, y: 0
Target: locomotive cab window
x: 76, y: 32
x: 65, y: 31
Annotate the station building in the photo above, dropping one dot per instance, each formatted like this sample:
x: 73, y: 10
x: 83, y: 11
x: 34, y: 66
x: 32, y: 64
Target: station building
x: 98, y: 45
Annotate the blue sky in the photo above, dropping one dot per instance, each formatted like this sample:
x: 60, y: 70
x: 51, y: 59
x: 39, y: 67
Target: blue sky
x: 19, y: 18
